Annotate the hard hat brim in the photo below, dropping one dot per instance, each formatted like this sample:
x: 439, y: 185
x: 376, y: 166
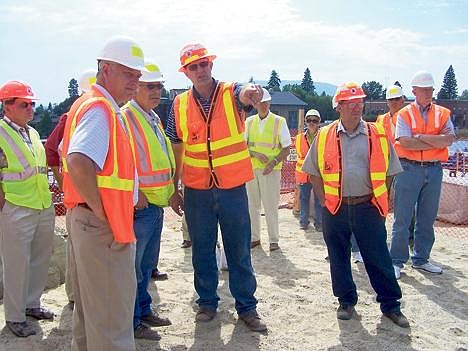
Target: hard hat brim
x: 209, y: 56
x: 149, y: 80
x: 140, y: 68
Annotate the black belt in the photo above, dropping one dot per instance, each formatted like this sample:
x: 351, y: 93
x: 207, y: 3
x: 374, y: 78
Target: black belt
x: 356, y: 200
x: 421, y: 163
x: 85, y: 205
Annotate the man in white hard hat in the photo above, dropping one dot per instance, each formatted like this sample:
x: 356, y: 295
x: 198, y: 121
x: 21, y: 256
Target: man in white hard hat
x: 156, y: 167
x: 303, y: 142
x: 423, y: 134
x: 205, y: 126
x: 100, y: 190
x: 351, y: 164
x: 26, y: 211
x: 268, y: 139
x: 395, y: 101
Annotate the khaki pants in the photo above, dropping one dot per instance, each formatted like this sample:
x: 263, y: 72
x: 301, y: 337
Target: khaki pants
x: 26, y: 241
x: 104, y: 286
x: 185, y: 233
x: 264, y: 190
x: 68, y: 270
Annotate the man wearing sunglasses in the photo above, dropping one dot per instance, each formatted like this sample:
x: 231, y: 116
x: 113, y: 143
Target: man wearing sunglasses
x: 26, y: 212
x: 303, y: 142
x: 156, y: 166
x: 423, y: 134
x: 351, y: 164
x: 206, y: 125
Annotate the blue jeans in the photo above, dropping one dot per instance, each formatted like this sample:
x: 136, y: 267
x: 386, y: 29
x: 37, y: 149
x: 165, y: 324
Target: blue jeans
x: 304, y: 196
x: 204, y: 209
x: 337, y: 230
x: 354, y: 244
x: 147, y: 224
x: 418, y: 188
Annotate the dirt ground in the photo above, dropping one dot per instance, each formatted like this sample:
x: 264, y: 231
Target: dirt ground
x: 295, y: 300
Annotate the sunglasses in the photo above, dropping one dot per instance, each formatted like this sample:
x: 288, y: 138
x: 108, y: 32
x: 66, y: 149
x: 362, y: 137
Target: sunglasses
x: 156, y: 86
x: 352, y: 105
x: 24, y: 104
x: 314, y: 121
x: 194, y: 66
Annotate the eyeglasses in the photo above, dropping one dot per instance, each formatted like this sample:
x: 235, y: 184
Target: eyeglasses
x: 24, y: 104
x: 156, y: 86
x: 314, y: 121
x: 352, y: 105
x: 194, y: 66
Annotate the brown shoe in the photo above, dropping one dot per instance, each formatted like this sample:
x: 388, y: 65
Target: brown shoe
x: 254, y: 244
x: 21, y: 329
x: 143, y: 332
x: 398, y: 318
x: 274, y: 246
x: 39, y: 313
x: 205, y: 315
x: 186, y: 244
x: 253, y: 321
x: 157, y: 275
x: 154, y: 320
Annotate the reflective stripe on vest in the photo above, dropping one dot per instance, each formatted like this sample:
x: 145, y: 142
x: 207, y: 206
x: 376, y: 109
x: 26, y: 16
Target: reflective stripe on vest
x: 265, y: 141
x: 302, y: 147
x: 155, y: 167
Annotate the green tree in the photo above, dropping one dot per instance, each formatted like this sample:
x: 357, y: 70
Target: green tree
x: 45, y: 125
x: 373, y: 90
x: 464, y: 95
x: 251, y: 80
x: 307, y: 82
x: 449, y: 89
x: 275, y: 82
x: 73, y: 89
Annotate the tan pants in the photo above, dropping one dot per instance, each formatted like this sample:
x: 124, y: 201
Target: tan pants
x: 185, y: 233
x: 26, y: 242
x: 104, y: 286
x: 68, y: 270
x: 264, y: 190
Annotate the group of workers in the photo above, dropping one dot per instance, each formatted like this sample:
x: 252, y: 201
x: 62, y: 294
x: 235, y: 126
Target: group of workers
x: 118, y: 169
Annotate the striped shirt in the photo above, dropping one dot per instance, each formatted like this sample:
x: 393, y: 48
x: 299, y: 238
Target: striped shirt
x: 171, y: 130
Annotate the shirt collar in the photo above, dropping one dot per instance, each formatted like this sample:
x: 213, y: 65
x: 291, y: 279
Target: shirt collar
x: 361, y: 129
x: 152, y: 116
x: 108, y: 96
x: 267, y: 116
x: 14, y: 125
x: 423, y: 109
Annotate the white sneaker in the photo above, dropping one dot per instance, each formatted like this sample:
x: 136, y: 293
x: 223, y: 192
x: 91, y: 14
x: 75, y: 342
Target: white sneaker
x: 397, y: 271
x: 357, y: 258
x: 428, y: 267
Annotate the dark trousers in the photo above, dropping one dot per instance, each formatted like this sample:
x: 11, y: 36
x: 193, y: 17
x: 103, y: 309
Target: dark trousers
x: 368, y: 226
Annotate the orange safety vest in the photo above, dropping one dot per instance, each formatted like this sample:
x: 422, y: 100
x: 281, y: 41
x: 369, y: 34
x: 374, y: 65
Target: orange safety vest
x: 389, y: 124
x: 302, y: 148
x: 116, y: 180
x: 330, y: 164
x: 437, y: 118
x: 215, y: 152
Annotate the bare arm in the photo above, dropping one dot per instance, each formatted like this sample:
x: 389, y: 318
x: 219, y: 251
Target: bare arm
x: 437, y: 141
x: 413, y: 143
x: 279, y: 158
x: 388, y: 183
x: 176, y: 201
x: 58, y: 176
x: 83, y: 175
x: 317, y: 184
x: 2, y: 198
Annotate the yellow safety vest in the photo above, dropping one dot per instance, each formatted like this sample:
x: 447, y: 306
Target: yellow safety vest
x: 24, y: 180
x: 266, y: 141
x: 155, y: 168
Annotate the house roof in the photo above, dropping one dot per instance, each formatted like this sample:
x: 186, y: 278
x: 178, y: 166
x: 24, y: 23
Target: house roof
x: 286, y: 98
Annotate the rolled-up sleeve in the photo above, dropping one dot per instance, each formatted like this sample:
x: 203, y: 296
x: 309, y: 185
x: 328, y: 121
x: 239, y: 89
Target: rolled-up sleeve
x: 310, y: 165
x: 394, y: 166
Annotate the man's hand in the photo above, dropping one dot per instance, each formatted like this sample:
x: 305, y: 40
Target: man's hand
x: 251, y: 94
x: 259, y: 156
x: 142, y: 201
x: 269, y: 167
x: 177, y: 203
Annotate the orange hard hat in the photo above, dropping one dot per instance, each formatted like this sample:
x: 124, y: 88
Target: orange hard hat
x: 348, y: 91
x: 16, y: 89
x: 193, y: 52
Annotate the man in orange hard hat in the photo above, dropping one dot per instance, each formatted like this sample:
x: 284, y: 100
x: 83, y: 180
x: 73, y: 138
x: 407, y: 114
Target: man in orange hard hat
x: 206, y: 125
x: 26, y: 211
x: 351, y: 164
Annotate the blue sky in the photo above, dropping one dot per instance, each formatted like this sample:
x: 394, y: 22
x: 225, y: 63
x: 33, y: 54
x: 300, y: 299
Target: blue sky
x: 47, y: 42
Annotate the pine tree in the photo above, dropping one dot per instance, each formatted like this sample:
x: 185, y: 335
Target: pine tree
x: 449, y: 86
x: 307, y: 82
x: 275, y: 82
x: 73, y: 88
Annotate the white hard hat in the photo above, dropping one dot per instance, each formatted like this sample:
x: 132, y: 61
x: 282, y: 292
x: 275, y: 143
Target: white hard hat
x: 153, y: 73
x: 266, y: 95
x: 125, y: 51
x: 334, y: 102
x: 393, y: 92
x: 87, y: 78
x: 313, y: 112
x: 422, y: 79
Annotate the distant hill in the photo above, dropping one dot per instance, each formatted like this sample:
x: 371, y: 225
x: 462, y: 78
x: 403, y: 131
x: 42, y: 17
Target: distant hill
x: 320, y: 87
